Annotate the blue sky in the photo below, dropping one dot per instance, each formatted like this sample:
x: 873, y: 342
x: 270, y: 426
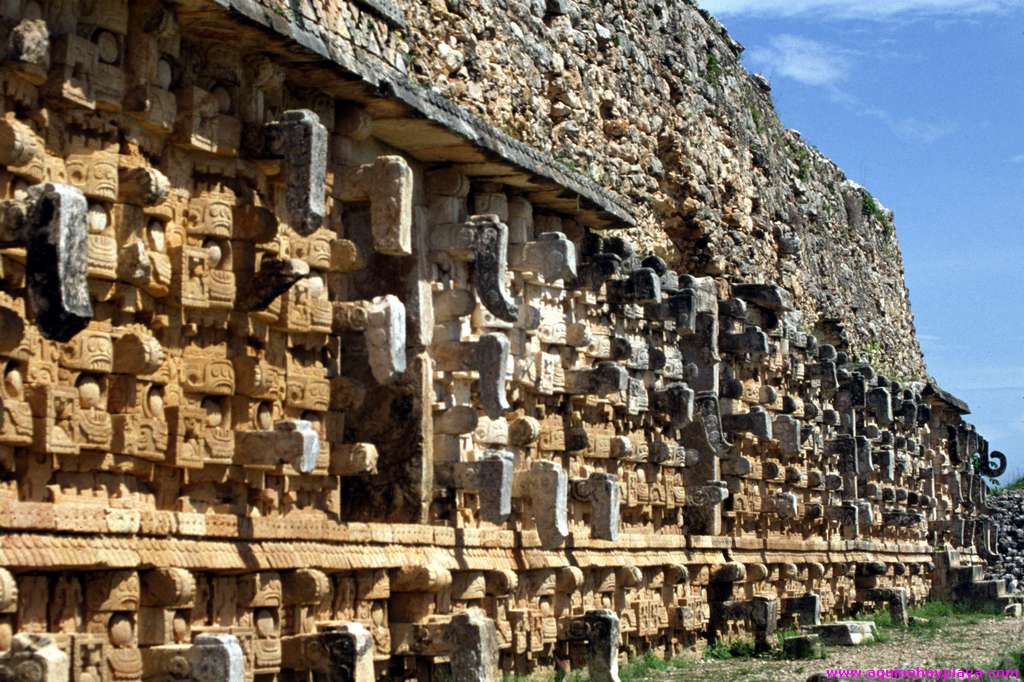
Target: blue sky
x: 922, y: 101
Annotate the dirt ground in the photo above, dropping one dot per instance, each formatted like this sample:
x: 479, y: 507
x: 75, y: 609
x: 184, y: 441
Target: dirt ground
x: 957, y: 645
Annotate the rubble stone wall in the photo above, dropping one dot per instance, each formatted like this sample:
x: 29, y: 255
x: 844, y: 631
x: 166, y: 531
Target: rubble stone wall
x: 308, y: 373
x: 650, y: 98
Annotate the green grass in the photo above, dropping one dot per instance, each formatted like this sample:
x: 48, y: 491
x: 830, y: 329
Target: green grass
x: 1016, y: 483
x: 723, y: 650
x: 714, y: 69
x: 936, y: 615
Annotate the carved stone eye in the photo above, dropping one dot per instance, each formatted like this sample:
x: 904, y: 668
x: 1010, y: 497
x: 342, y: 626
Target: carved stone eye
x: 315, y: 286
x: 265, y: 416
x: 223, y: 99
x: 12, y: 381
x: 157, y: 236
x: 164, y: 74
x: 90, y: 392
x: 214, y: 252
x: 97, y: 219
x: 214, y: 412
x: 108, y: 48
x: 155, y: 402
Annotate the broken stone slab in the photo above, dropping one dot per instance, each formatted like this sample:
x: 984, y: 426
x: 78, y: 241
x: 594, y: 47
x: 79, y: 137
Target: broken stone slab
x: 756, y: 422
x: 34, y: 658
x: 387, y: 184
x: 491, y: 476
x: 602, y: 645
x: 552, y: 255
x: 602, y: 492
x: 896, y: 597
x: 802, y: 647
x: 488, y: 356
x: 142, y: 186
x: 751, y: 341
x: 675, y: 400
x: 806, y: 608
x: 599, y: 269
x: 338, y: 653
x: 473, y: 640
x: 483, y: 239
x: 382, y: 321
x: 786, y: 430
x: 604, y: 379
x: 300, y: 139
x: 642, y: 286
x: 215, y: 658
x: 844, y: 633
x: 51, y: 222
x: 680, y: 309
x: 353, y: 459
x: 293, y: 442
x: 769, y: 296
x: 880, y: 403
x: 549, y: 490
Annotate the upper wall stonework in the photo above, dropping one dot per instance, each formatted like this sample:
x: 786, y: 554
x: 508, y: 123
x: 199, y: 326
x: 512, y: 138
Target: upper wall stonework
x: 649, y: 98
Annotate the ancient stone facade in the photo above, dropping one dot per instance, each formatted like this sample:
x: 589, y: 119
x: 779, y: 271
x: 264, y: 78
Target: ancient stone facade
x: 310, y: 374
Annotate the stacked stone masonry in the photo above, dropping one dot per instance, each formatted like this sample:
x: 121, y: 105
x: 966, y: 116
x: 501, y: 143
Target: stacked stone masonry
x: 309, y: 374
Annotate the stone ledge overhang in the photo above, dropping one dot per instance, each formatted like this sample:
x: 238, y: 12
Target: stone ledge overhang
x: 407, y: 116
x: 932, y: 389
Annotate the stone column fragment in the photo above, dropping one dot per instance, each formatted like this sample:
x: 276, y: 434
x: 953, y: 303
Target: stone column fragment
x: 301, y: 140
x: 602, y: 645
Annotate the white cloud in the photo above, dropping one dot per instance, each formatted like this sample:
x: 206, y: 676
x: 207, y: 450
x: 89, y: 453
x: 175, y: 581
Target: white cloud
x: 804, y: 60
x: 855, y: 9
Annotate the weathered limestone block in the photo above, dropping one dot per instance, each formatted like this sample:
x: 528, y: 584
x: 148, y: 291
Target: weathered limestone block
x: 293, y: 442
x: 675, y: 400
x: 548, y: 491
x: 491, y: 476
x: 382, y: 320
x: 602, y: 492
x: 768, y: 296
x: 752, y: 341
x: 604, y: 379
x: 602, y: 632
x: 552, y: 256
x: 483, y: 240
x: 488, y: 356
x: 757, y: 422
x: 51, y: 222
x: 36, y: 658
x: 642, y: 286
x: 474, y: 647
x: 387, y: 184
x: 275, y: 276
x: 359, y: 459
x: 300, y: 139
